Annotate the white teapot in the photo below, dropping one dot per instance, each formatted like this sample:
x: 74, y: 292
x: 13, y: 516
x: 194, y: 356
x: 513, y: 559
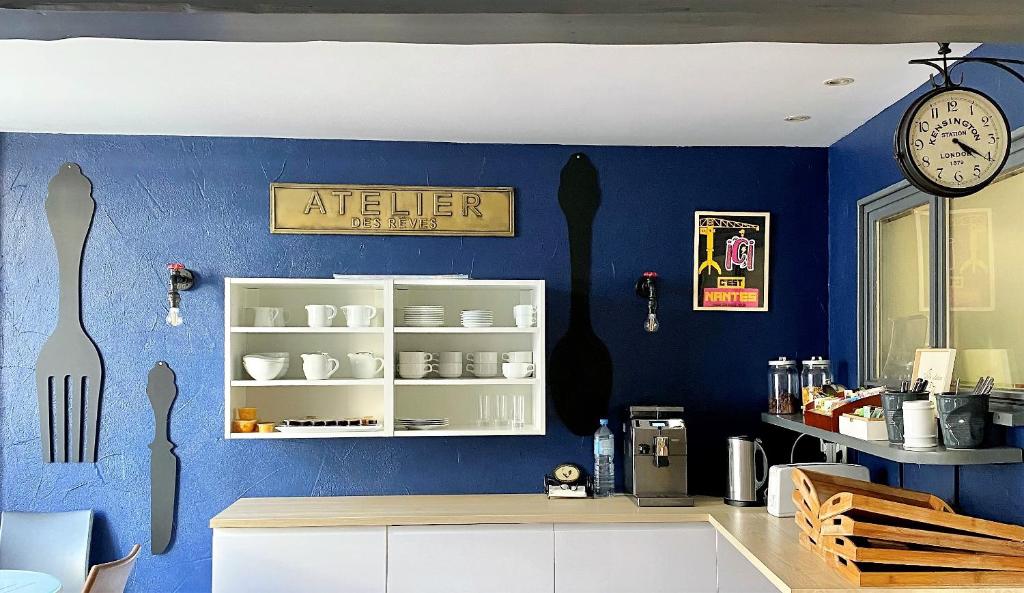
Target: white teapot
x: 365, y: 365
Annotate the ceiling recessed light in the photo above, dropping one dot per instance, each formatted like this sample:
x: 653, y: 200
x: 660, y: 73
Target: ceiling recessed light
x: 797, y: 118
x: 839, y: 81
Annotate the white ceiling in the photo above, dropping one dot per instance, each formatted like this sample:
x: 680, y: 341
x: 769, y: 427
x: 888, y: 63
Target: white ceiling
x: 729, y: 94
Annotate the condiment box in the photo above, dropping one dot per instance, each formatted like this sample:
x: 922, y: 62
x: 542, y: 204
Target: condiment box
x: 868, y: 429
x: 830, y: 421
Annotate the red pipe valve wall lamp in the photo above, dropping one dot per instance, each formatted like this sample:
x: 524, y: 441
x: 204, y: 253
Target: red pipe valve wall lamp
x: 180, y: 279
x: 646, y: 288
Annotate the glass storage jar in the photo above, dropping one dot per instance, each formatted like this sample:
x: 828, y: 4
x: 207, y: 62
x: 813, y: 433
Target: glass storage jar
x: 783, y: 386
x: 815, y: 374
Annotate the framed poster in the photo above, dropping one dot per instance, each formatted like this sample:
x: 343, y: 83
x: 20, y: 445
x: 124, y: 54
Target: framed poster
x: 936, y: 366
x: 730, y: 261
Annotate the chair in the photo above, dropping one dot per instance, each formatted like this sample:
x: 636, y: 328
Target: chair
x: 54, y: 543
x: 112, y: 576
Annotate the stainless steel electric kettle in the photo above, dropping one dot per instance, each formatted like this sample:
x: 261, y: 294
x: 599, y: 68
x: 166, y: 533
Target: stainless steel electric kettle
x: 744, y: 485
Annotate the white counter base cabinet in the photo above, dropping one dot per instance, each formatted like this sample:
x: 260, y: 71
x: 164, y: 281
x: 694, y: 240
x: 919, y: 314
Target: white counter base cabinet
x: 306, y: 559
x: 647, y: 557
x: 736, y: 574
x: 470, y: 559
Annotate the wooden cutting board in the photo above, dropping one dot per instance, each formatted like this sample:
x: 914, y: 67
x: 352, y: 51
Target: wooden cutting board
x: 851, y: 527
x: 861, y: 550
x: 816, y: 488
x: 875, y: 575
x: 882, y: 511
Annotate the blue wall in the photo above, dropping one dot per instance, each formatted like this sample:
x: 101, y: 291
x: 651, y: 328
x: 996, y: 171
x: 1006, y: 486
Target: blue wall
x: 203, y: 201
x: 859, y: 165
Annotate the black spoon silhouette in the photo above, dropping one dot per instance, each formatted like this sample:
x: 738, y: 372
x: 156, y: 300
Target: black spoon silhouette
x: 580, y: 368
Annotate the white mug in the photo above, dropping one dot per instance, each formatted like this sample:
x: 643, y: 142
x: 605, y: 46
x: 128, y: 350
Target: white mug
x: 491, y: 357
x: 450, y: 357
x: 450, y: 370
x: 483, y: 369
x: 268, y: 316
x: 415, y: 357
x: 919, y: 425
x: 321, y: 315
x: 318, y: 366
x: 365, y: 365
x: 415, y: 371
x: 359, y: 315
x: 517, y: 370
x: 526, y: 315
x: 519, y: 356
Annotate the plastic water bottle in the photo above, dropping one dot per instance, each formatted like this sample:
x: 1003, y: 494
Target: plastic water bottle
x: 604, y: 460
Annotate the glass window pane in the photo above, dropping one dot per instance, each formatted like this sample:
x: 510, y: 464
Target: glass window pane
x: 986, y: 281
x: 902, y: 320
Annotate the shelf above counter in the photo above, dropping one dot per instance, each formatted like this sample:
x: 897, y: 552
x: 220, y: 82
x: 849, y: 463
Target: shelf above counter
x: 464, y: 330
x: 307, y: 382
x: 466, y: 381
x: 469, y: 431
x: 938, y: 456
x: 241, y: 329
x: 340, y: 433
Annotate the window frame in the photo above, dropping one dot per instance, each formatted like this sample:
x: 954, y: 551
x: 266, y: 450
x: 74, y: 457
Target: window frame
x: 891, y: 201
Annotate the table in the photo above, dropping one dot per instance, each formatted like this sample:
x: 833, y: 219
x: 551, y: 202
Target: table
x: 24, y: 581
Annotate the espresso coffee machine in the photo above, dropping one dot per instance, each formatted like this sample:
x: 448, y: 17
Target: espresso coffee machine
x: 655, y: 456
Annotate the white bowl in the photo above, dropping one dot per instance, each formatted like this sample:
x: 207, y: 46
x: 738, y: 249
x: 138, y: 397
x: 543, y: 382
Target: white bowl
x: 265, y: 369
x: 271, y: 355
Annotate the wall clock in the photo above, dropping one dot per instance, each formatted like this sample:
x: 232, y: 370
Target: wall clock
x: 952, y: 141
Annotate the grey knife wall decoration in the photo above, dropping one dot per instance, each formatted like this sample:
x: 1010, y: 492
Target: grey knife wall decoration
x: 163, y: 464
x: 69, y: 370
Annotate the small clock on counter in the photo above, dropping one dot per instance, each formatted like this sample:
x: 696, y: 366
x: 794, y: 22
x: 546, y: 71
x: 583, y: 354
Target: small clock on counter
x: 568, y: 480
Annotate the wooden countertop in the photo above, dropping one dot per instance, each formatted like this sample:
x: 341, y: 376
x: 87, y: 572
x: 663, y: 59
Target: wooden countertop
x: 768, y: 542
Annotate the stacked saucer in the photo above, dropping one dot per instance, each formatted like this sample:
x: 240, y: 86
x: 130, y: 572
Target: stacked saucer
x: 423, y: 315
x: 477, y: 318
x: 420, y: 423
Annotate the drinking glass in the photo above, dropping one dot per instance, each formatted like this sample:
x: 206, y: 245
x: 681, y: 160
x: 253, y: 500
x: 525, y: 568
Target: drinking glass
x: 486, y: 410
x: 518, y: 411
x: 503, y: 410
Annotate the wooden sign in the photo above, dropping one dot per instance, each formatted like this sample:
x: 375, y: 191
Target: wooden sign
x: 730, y: 261
x: 305, y: 208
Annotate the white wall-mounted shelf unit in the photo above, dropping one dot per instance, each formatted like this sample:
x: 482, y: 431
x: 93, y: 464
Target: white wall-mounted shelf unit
x: 386, y: 397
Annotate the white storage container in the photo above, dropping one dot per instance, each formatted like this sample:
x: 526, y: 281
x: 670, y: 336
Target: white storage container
x: 869, y: 429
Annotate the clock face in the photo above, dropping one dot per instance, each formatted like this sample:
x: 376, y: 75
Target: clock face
x: 952, y: 142
x: 567, y: 473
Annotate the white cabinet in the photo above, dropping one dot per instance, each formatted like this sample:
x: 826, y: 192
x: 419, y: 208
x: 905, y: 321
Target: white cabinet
x: 307, y: 559
x: 648, y: 557
x: 736, y: 574
x: 471, y: 559
x: 387, y: 396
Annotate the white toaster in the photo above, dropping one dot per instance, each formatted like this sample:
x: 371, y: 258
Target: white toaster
x: 780, y: 482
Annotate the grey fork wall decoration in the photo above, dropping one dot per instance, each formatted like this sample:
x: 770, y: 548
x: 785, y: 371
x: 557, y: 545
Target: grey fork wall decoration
x: 69, y: 372
x: 163, y: 464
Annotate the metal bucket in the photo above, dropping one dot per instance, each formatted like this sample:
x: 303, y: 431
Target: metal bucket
x: 892, y: 403
x: 963, y: 418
